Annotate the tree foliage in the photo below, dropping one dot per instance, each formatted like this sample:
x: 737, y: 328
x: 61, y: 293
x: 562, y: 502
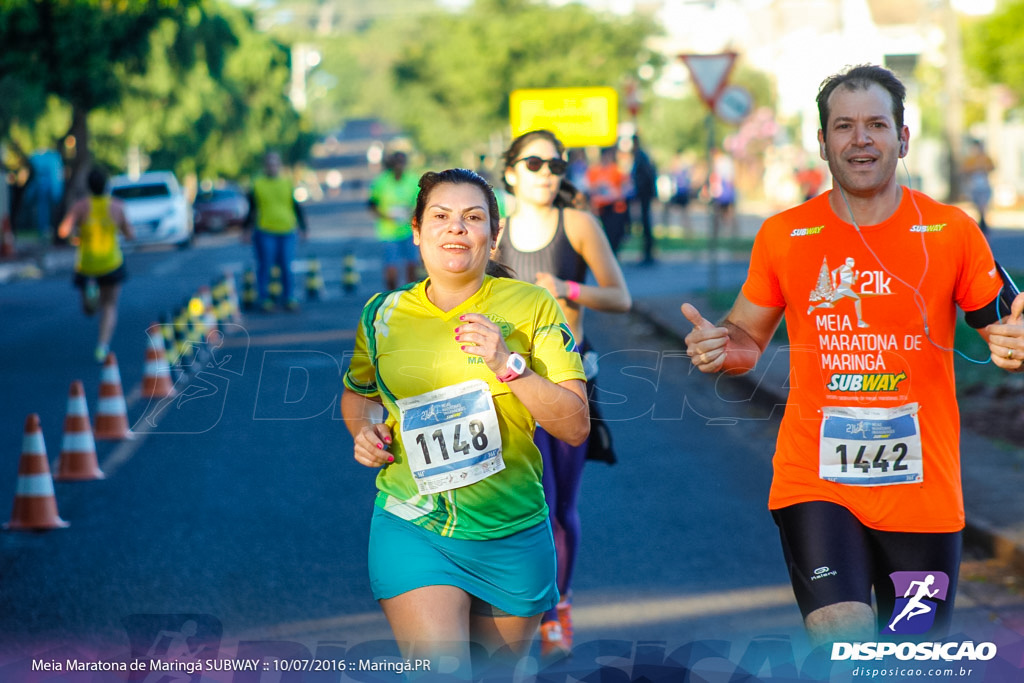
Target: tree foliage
x: 213, y: 124
x: 74, y: 50
x: 993, y: 47
x: 447, y: 80
x: 188, y: 83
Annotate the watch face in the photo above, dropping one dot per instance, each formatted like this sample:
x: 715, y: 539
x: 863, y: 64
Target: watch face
x: 517, y: 363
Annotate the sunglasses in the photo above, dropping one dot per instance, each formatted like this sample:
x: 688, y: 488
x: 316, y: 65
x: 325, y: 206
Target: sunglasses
x: 556, y: 166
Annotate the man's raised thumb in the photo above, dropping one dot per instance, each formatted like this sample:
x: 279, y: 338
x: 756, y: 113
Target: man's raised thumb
x: 698, y: 321
x: 1017, y: 310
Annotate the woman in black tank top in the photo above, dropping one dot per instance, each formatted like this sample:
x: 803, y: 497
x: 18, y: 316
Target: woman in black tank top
x: 549, y: 243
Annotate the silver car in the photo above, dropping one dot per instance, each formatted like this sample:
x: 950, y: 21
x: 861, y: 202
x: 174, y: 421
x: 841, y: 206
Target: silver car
x: 156, y: 207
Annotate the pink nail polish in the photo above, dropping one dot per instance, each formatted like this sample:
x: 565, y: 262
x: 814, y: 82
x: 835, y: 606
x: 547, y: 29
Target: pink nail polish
x: 387, y: 439
x: 391, y: 458
x: 380, y: 446
x: 462, y: 317
x: 463, y: 348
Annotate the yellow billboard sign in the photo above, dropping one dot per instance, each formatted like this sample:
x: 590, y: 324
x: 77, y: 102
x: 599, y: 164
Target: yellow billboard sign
x: 580, y: 117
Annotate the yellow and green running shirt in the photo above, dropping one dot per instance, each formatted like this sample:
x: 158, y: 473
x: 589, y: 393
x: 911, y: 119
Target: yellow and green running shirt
x: 99, y: 252
x: 388, y: 193
x: 405, y: 346
x: 275, y: 208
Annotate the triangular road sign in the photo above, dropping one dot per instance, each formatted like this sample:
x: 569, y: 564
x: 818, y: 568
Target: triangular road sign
x: 710, y: 73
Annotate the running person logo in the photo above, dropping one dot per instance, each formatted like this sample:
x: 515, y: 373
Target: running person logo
x: 847, y: 282
x: 836, y: 285
x: 918, y: 595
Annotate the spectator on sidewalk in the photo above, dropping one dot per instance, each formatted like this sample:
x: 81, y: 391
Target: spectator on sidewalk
x: 976, y: 168
x: 46, y: 189
x: 392, y: 198
x: 277, y: 223
x: 722, y: 189
x: 99, y: 261
x: 810, y: 177
x: 645, y: 189
x: 682, y: 191
x: 609, y: 186
x: 866, y: 471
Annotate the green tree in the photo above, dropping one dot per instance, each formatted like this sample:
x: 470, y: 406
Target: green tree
x: 448, y: 79
x: 80, y: 50
x: 993, y: 49
x: 197, y: 122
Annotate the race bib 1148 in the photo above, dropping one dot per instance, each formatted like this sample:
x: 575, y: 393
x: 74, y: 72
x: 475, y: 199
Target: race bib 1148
x: 451, y: 436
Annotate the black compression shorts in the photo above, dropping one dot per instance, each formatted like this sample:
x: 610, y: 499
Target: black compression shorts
x: 120, y: 274
x: 832, y: 557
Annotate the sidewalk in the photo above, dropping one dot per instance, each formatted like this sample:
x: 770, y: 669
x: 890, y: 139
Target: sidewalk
x: 992, y: 482
x: 32, y: 260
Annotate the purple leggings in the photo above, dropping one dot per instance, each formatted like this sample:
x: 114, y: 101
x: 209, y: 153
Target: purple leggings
x: 563, y: 471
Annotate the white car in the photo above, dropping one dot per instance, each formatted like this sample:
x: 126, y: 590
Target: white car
x: 156, y: 207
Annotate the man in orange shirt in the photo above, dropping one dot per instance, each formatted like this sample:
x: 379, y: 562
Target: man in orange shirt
x: 866, y: 488
x: 609, y: 186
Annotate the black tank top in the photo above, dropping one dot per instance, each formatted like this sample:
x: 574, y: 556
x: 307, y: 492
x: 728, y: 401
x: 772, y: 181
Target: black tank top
x: 556, y: 257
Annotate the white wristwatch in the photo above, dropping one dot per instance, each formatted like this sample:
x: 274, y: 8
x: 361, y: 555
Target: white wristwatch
x: 514, y: 367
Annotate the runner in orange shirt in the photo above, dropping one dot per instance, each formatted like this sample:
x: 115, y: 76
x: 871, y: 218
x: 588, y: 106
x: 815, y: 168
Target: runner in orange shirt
x: 866, y: 489
x: 609, y: 186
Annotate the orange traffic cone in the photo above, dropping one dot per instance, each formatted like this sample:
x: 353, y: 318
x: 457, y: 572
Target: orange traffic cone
x: 77, y: 461
x: 35, y: 508
x: 156, y: 380
x: 112, y: 412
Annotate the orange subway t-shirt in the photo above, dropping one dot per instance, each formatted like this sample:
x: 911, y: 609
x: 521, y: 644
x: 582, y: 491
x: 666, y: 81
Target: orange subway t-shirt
x: 871, y: 318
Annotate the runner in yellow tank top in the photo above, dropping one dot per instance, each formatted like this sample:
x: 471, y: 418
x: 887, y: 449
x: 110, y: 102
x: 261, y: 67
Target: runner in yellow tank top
x: 99, y: 263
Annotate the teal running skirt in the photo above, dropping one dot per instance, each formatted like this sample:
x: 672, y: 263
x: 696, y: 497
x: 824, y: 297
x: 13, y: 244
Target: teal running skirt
x: 514, y: 574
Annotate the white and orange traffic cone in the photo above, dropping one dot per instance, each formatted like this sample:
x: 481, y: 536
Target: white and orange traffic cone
x: 156, y: 379
x: 111, y: 412
x: 77, y: 461
x: 35, y: 507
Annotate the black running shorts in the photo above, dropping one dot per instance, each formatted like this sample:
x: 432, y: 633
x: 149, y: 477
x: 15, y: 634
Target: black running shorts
x: 832, y: 557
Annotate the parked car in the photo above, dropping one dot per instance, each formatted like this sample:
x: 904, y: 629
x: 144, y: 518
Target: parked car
x: 156, y: 207
x: 220, y: 207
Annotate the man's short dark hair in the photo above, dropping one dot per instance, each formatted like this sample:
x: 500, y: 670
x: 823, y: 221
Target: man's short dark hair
x: 862, y: 77
x: 96, y: 180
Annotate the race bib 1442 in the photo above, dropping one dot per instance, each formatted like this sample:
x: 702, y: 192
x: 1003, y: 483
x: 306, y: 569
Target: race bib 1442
x: 871, y: 446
